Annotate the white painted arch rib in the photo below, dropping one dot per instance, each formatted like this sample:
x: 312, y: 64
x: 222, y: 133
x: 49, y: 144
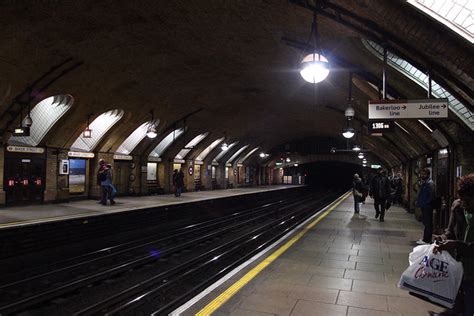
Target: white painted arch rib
x: 44, y: 115
x: 166, y: 142
x: 135, y: 138
x: 100, y: 126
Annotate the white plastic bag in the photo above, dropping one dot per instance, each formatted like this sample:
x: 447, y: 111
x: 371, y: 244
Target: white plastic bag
x: 434, y: 276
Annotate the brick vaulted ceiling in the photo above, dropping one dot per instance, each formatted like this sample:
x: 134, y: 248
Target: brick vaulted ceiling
x: 233, y: 60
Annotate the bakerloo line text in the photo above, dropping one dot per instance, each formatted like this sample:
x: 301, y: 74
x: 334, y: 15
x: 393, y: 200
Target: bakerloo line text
x: 394, y: 110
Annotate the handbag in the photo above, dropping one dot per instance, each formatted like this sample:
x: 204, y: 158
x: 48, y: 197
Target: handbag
x: 358, y: 194
x: 113, y: 190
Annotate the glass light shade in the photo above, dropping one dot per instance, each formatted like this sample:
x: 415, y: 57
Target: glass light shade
x: 28, y: 121
x: 364, y: 165
x: 349, y: 112
x: 225, y: 147
x: 87, y: 133
x: 361, y: 156
x: 314, y: 68
x: 356, y: 148
x: 288, y: 159
x: 262, y: 155
x: 151, y: 132
x: 348, y: 132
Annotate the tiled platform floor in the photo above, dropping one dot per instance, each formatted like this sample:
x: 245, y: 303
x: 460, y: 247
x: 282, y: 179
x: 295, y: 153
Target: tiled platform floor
x: 345, y: 265
x: 17, y: 216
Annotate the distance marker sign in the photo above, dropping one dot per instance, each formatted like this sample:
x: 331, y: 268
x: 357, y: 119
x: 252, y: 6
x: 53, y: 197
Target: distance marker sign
x: 377, y: 126
x: 408, y: 109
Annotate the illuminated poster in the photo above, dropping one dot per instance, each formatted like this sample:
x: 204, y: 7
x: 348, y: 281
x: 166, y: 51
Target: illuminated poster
x: 77, y: 175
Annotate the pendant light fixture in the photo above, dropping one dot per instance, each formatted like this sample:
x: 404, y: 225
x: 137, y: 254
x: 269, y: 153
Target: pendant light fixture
x: 87, y: 133
x: 151, y: 130
x: 28, y: 121
x: 314, y: 67
x: 349, y: 113
x: 225, y: 146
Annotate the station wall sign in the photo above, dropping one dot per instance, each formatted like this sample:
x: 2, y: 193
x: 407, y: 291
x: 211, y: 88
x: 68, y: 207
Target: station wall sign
x: 78, y: 154
x: 408, y: 109
x: 22, y: 149
x: 122, y: 157
x: 379, y: 126
x: 154, y: 159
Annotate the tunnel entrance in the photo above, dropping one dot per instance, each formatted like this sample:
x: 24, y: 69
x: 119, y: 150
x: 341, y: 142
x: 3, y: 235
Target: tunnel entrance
x: 24, y: 178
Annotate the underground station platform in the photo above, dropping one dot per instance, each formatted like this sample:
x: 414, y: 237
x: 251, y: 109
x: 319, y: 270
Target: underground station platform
x: 337, y: 263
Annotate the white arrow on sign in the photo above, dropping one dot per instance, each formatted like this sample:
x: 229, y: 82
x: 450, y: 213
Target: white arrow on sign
x: 408, y: 109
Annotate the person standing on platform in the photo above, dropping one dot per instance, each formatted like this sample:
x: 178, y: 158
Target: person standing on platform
x: 175, y: 187
x: 104, y: 177
x: 397, y: 187
x: 424, y: 201
x: 464, y: 245
x: 380, y: 192
x: 179, y: 182
x: 357, y: 192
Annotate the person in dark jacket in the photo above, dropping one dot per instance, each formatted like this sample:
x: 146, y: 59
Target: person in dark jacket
x: 397, y: 188
x: 178, y: 180
x: 357, y: 192
x: 424, y: 201
x: 380, y: 192
x: 456, y: 224
x: 464, y: 245
x: 104, y: 178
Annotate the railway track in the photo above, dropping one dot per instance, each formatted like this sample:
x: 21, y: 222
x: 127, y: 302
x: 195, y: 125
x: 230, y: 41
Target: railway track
x: 146, y: 275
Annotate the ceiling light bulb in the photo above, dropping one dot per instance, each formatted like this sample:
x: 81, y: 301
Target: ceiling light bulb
x: 361, y: 155
x: 225, y: 147
x: 151, y: 132
x: 288, y: 159
x: 348, y: 132
x: 262, y: 155
x: 314, y: 68
x: 356, y: 148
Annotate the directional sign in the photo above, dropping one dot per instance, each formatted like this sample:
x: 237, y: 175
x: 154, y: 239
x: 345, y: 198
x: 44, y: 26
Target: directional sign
x: 408, y: 109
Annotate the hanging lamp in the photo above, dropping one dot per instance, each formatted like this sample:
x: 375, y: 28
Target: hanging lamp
x: 314, y: 67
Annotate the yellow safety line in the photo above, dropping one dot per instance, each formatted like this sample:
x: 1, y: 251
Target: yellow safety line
x: 234, y: 288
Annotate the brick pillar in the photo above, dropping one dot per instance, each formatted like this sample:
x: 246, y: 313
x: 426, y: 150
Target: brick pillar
x: 165, y: 173
x: 135, y: 186
x: 56, y: 185
x: 2, y: 166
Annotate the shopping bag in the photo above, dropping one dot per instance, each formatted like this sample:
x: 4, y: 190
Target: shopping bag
x: 434, y: 276
x: 113, y: 190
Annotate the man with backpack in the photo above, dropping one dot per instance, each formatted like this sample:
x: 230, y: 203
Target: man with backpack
x: 104, y: 179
